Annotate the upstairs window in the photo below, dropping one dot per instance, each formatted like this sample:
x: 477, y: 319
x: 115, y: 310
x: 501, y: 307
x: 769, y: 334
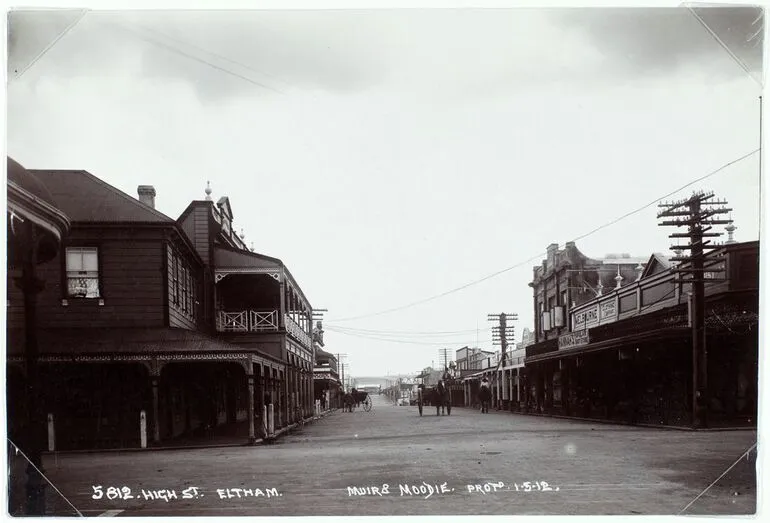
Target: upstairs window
x: 82, y: 272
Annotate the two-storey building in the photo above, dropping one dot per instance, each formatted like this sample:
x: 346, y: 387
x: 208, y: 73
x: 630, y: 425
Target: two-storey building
x: 565, y: 279
x: 125, y: 328
x: 628, y: 353
x: 255, y: 304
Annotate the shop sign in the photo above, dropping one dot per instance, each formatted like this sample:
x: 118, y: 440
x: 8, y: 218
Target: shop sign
x: 573, y: 339
x: 608, y: 309
x: 585, y: 318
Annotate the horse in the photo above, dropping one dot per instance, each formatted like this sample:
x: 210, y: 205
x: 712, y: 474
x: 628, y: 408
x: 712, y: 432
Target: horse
x: 359, y: 396
x: 347, y: 402
x: 441, y: 399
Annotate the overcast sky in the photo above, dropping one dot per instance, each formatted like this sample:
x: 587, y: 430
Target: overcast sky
x: 390, y: 156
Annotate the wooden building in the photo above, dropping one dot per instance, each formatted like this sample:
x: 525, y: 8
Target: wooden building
x: 128, y: 325
x: 255, y: 304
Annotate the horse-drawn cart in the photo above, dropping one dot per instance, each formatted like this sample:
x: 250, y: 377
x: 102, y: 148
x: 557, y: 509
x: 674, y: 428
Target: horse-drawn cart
x: 356, y: 398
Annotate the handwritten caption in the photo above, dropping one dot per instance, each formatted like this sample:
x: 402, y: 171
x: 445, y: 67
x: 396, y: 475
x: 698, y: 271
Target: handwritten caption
x: 426, y: 490
x: 168, y: 495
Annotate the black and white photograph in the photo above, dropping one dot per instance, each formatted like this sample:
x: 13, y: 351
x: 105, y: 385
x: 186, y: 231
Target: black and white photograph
x: 384, y: 260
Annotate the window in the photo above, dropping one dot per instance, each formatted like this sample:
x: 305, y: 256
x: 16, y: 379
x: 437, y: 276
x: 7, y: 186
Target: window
x: 173, y: 279
x: 82, y: 272
x: 177, y: 280
x: 183, y: 285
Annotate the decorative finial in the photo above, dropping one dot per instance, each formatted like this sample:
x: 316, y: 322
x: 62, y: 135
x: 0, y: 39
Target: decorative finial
x: 243, y: 235
x: 730, y: 228
x: 599, y: 287
x: 639, y: 270
x: 252, y: 246
x: 618, y: 279
x: 208, y: 191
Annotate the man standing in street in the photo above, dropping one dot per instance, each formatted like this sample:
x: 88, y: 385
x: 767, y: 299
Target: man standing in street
x: 485, y: 395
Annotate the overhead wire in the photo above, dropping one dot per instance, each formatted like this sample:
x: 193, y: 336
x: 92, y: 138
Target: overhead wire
x: 442, y: 343
x: 209, y: 52
x: 538, y: 256
x: 180, y: 52
x: 410, y: 334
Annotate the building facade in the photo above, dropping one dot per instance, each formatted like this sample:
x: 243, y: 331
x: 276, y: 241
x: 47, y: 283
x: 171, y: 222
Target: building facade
x: 255, y: 303
x: 153, y: 329
x: 627, y: 355
x: 567, y: 278
x: 326, y: 379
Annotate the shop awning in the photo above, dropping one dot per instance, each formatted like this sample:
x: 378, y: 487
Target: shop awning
x: 102, y: 343
x: 666, y: 334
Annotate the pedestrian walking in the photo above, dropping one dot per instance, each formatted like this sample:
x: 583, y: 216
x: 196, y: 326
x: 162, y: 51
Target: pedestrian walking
x: 485, y: 395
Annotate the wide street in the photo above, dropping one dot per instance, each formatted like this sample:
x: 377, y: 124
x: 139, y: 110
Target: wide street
x: 467, y: 463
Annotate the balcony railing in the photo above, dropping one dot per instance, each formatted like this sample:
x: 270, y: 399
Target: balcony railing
x: 247, y: 321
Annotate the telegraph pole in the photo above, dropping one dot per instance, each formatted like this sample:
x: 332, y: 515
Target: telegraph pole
x: 502, y: 331
x: 500, y: 334
x: 694, y: 213
x: 341, y: 368
x: 443, y: 355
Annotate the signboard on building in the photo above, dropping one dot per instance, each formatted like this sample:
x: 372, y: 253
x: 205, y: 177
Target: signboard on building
x: 573, y: 339
x: 604, y: 312
x: 608, y: 310
x: 585, y: 318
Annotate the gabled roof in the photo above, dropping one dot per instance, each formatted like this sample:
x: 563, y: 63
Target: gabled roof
x: 224, y: 204
x: 86, y: 198
x: 656, y: 264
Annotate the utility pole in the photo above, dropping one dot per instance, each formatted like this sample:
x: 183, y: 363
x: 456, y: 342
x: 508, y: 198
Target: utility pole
x: 694, y: 213
x: 341, y: 368
x: 500, y: 334
x: 503, y: 331
x: 443, y: 358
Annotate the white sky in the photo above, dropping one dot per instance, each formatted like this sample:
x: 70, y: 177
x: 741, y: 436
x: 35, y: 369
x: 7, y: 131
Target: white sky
x: 396, y: 155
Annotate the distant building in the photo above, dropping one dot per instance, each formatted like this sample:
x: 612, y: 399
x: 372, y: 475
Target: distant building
x: 470, y: 360
x: 527, y: 339
x: 327, y: 386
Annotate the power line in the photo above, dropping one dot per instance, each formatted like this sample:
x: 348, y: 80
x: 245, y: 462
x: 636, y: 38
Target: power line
x: 409, y: 334
x: 538, y: 256
x: 195, y: 58
x: 216, y: 55
x: 50, y: 46
x: 395, y: 340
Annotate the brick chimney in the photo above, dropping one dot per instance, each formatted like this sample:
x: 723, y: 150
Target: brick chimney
x: 146, y: 195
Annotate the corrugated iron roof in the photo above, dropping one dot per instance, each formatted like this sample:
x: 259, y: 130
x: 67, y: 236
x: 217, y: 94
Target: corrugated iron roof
x: 86, y: 198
